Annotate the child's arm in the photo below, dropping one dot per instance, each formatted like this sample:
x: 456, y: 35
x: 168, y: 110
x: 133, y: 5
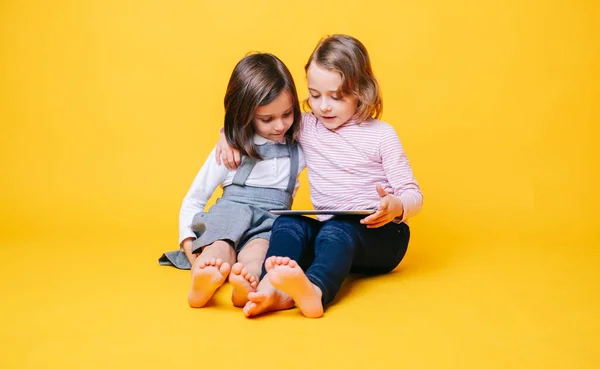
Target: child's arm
x: 210, y: 176
x: 406, y: 199
x: 390, y: 208
x: 231, y: 157
x: 226, y: 154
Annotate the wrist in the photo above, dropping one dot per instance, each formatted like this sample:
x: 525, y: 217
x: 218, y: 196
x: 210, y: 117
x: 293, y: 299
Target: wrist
x: 399, y: 209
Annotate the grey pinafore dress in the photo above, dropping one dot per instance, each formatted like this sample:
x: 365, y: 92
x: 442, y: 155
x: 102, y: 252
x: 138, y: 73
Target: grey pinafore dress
x: 242, y: 213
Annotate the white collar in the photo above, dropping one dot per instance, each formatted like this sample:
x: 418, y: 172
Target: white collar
x: 260, y: 140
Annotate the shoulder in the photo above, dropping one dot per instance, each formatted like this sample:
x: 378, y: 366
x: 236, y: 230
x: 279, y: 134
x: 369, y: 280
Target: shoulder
x: 309, y: 118
x: 383, y: 135
x: 377, y: 128
x: 377, y: 125
x: 307, y: 127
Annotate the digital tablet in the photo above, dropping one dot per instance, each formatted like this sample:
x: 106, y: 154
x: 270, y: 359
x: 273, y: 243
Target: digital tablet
x: 322, y: 212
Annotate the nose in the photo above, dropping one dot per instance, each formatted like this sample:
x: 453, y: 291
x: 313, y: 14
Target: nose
x: 279, y: 125
x: 324, y: 106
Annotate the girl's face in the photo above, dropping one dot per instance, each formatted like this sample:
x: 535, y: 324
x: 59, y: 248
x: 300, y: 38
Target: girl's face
x: 327, y: 104
x: 272, y: 121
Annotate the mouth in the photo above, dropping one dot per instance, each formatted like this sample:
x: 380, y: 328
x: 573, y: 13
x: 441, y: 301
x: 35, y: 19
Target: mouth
x: 325, y: 117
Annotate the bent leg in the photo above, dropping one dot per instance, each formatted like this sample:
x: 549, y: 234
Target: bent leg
x: 267, y: 298
x: 246, y: 272
x: 384, y: 248
x: 293, y: 237
x: 287, y: 276
x: 335, y: 247
x: 209, y: 272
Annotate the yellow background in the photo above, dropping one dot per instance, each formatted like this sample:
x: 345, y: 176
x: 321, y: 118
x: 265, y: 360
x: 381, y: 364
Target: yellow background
x: 109, y: 108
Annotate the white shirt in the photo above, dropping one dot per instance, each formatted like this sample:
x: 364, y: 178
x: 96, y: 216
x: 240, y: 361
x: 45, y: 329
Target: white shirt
x: 269, y: 173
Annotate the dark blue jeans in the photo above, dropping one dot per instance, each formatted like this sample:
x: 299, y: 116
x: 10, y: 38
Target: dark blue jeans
x: 329, y: 251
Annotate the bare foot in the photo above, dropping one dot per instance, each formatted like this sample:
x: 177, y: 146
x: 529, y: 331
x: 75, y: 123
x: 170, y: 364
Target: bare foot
x: 266, y: 299
x: 207, y: 276
x: 243, y: 283
x: 287, y: 276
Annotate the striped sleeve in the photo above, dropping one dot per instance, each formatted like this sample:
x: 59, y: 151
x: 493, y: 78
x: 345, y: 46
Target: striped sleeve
x: 399, y: 173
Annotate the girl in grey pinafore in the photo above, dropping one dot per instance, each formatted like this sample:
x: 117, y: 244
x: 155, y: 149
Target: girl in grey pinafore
x: 242, y: 213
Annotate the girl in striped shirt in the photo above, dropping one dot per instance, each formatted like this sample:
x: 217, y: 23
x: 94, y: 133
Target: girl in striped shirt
x: 355, y: 162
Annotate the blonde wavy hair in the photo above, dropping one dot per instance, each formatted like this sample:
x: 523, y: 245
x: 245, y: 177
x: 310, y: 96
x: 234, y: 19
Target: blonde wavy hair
x: 348, y: 56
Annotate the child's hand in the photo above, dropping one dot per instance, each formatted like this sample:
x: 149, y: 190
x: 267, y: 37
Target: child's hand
x: 229, y: 156
x: 187, y: 249
x: 390, y: 207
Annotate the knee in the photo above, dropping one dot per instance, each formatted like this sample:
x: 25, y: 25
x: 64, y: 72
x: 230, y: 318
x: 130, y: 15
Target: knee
x: 219, y: 246
x: 339, y: 232
x: 256, y: 244
x: 388, y: 265
x: 339, y: 226
x: 253, y: 250
x: 283, y: 221
x: 293, y: 224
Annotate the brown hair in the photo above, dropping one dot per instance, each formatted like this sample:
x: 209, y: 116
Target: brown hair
x: 257, y: 80
x: 347, y: 56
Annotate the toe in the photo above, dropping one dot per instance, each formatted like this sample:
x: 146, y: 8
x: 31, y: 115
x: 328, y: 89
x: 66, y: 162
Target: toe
x: 248, y: 308
x: 224, y: 268
x: 256, y: 297
x: 237, y: 268
x: 269, y: 263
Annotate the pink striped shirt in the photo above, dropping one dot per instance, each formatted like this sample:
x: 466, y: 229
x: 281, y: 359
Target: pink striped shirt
x: 344, y: 166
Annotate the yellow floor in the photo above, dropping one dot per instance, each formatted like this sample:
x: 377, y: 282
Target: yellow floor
x: 484, y: 305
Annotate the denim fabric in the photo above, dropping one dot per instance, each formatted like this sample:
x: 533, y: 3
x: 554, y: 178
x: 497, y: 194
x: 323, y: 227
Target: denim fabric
x: 329, y: 251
